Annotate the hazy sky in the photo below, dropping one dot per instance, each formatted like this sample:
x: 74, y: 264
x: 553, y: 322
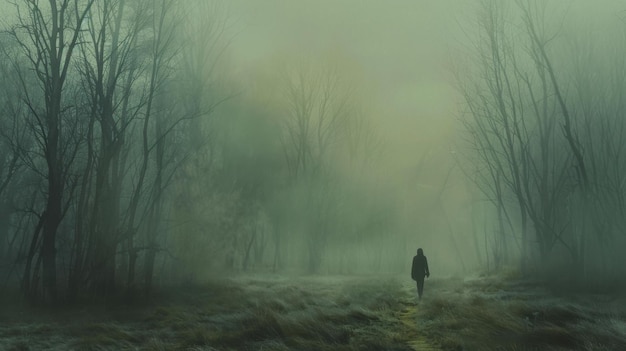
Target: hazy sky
x: 401, y: 51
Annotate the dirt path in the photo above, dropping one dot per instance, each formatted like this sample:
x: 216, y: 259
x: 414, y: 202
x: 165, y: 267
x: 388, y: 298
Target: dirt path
x: 408, y: 317
x: 417, y: 342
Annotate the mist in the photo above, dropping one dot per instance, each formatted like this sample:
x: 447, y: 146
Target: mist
x: 260, y: 175
x: 395, y: 63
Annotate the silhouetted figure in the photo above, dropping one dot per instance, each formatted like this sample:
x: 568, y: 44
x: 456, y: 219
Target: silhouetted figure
x: 419, y: 270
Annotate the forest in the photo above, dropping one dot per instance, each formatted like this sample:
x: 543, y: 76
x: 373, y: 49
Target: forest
x: 233, y: 175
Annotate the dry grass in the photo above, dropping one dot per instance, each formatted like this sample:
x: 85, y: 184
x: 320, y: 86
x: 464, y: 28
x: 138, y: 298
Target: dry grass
x: 492, y: 314
x: 237, y: 314
x: 314, y: 313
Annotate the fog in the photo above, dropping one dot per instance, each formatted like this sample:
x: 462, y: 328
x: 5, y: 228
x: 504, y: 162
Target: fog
x: 398, y: 62
x: 165, y: 143
x: 312, y: 175
x: 399, y: 56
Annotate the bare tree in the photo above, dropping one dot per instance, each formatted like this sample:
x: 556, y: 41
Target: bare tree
x: 317, y: 112
x: 108, y: 71
x: 13, y: 140
x: 48, y: 34
x: 555, y: 150
x: 513, y: 114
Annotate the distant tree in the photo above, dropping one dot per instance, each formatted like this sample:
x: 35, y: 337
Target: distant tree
x: 318, y: 109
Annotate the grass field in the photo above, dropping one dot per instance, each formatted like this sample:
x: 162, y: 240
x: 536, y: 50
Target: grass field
x: 328, y: 313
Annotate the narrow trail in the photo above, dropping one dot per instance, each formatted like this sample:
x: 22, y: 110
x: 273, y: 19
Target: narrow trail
x: 408, y: 317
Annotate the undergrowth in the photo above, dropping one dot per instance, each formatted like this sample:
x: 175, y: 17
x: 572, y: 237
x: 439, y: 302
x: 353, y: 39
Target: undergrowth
x: 332, y: 313
x: 494, y: 314
x: 237, y: 314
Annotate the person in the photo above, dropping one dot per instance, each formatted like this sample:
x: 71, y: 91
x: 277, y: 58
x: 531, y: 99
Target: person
x: 419, y: 270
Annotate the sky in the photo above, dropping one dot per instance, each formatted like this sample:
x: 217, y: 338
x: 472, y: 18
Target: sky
x: 402, y: 53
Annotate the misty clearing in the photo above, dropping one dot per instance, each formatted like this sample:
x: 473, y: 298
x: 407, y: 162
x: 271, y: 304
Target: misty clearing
x: 319, y: 175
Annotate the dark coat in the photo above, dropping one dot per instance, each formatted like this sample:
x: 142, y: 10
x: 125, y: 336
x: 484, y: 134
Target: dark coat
x: 419, y: 268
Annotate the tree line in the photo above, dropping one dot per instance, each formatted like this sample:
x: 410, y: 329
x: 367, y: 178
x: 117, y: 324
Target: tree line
x: 129, y: 155
x: 544, y: 108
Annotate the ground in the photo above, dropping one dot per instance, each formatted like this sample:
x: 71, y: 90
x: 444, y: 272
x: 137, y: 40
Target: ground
x: 329, y: 313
